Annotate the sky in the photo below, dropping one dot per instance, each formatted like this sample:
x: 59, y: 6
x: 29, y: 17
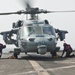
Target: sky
x: 62, y: 21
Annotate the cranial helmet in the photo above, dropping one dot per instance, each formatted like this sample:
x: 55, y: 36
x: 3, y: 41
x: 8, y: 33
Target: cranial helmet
x: 64, y: 44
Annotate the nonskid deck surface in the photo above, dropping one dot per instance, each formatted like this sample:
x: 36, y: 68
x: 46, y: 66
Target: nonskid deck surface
x: 33, y: 64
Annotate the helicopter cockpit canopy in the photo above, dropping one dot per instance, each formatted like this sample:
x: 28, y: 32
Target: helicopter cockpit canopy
x: 38, y: 28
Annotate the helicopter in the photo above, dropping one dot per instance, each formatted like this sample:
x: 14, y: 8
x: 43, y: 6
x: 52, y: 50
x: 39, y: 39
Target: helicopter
x: 32, y: 34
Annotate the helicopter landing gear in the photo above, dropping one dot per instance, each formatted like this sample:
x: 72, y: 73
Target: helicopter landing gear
x: 16, y: 52
x: 15, y: 55
x: 54, y: 54
x: 25, y: 52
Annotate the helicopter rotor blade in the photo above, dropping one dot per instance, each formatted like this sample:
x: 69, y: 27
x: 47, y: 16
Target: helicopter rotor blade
x: 61, y: 11
x: 10, y: 13
x: 27, y: 4
x: 33, y: 11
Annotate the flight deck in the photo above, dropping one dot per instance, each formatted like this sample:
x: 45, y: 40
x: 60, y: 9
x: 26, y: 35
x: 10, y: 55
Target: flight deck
x: 34, y: 64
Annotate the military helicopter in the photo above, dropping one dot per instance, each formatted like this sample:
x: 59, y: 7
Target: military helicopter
x: 33, y: 35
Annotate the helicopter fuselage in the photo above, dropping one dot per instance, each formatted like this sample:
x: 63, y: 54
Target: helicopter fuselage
x: 37, y: 37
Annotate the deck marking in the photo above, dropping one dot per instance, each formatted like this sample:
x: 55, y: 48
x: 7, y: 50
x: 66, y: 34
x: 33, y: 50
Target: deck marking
x: 58, y: 68
x: 50, y: 69
x: 40, y: 70
x: 23, y: 73
x: 66, y: 62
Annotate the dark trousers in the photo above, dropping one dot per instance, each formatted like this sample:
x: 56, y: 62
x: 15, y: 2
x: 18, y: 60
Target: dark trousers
x: 68, y: 53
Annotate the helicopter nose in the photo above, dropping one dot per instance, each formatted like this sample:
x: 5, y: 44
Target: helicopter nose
x: 40, y: 41
x: 41, y: 45
x: 42, y: 49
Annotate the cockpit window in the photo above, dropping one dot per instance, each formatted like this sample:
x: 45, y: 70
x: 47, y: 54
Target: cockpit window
x: 48, y: 30
x: 28, y: 30
x: 38, y: 29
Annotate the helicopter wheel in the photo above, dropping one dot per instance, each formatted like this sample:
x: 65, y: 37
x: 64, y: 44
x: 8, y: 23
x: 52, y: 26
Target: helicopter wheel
x: 25, y: 52
x: 54, y: 54
x: 15, y: 55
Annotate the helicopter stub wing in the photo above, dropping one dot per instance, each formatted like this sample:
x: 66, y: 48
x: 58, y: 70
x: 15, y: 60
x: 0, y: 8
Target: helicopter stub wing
x: 61, y: 34
x: 7, y: 37
x: 13, y: 31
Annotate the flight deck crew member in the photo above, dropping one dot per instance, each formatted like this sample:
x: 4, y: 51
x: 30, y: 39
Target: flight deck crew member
x: 68, y: 49
x: 1, y: 48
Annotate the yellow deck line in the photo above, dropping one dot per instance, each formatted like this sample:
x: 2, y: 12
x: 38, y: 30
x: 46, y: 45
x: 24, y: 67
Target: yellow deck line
x: 40, y: 70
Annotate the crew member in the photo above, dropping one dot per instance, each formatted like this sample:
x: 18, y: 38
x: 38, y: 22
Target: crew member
x: 1, y: 48
x: 68, y: 49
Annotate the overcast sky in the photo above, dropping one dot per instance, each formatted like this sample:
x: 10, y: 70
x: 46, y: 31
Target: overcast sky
x: 63, y: 21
